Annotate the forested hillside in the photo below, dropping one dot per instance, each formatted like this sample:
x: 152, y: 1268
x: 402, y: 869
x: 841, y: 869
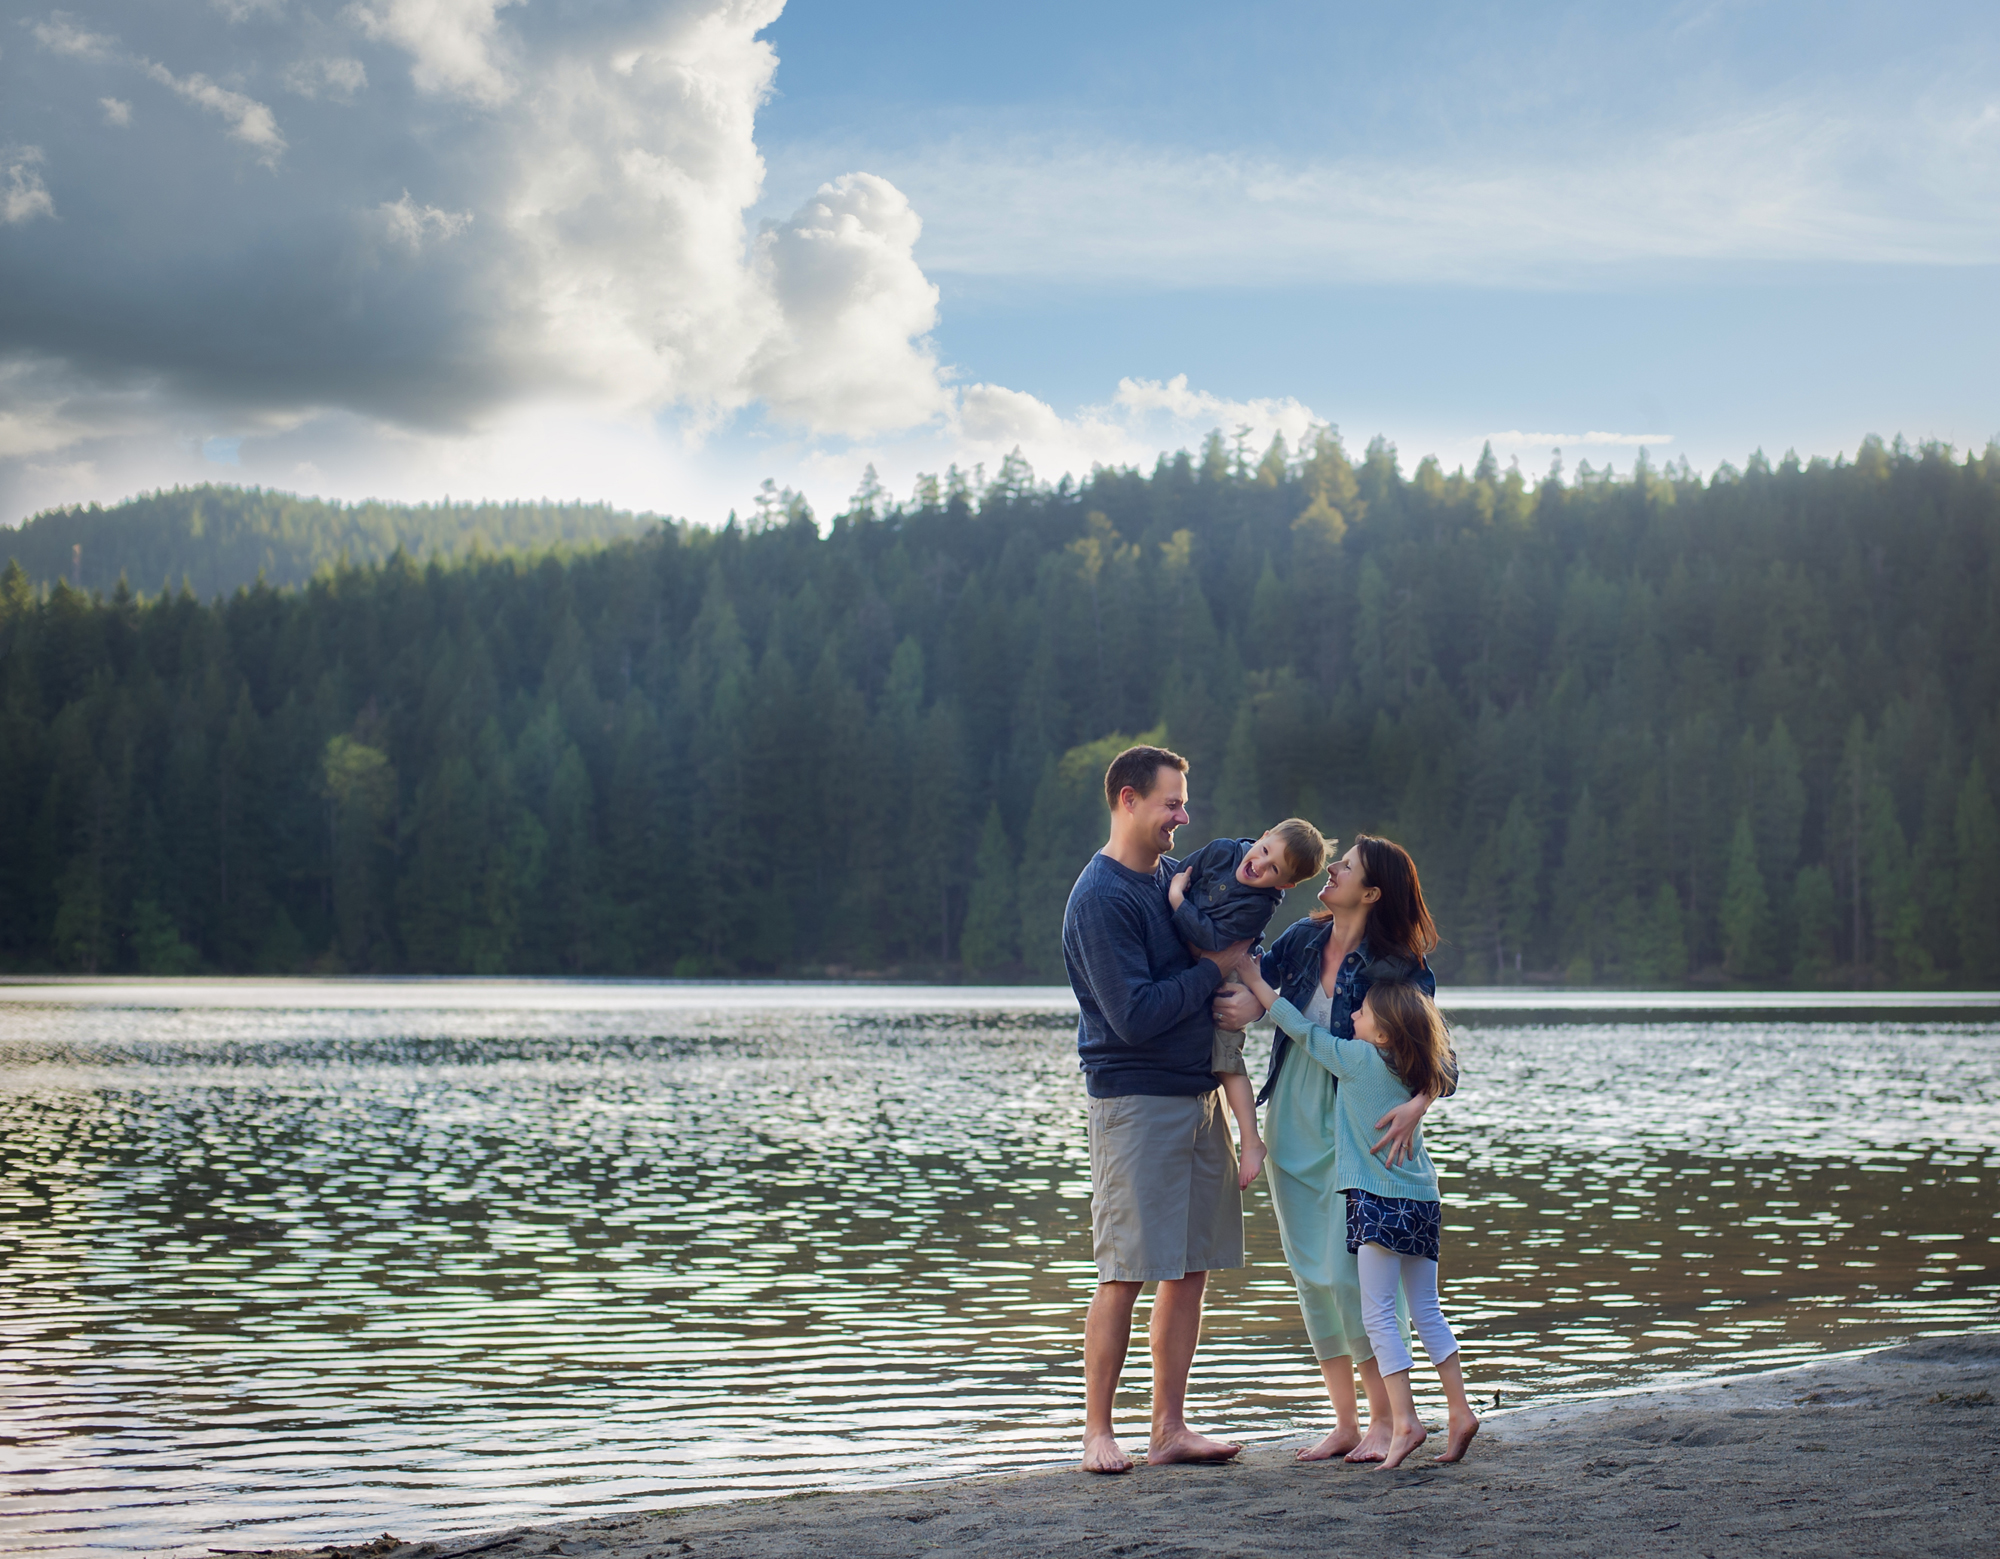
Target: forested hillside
x: 214, y: 539
x: 1647, y: 730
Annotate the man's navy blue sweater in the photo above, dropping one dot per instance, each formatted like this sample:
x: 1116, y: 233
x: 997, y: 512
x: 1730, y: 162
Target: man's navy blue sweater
x: 1144, y: 1027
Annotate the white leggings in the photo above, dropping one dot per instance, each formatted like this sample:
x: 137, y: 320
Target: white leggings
x: 1381, y: 1270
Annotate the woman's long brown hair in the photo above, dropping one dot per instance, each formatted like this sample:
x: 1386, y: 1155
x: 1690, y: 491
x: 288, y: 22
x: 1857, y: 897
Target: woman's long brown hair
x: 1399, y: 921
x: 1418, y: 1048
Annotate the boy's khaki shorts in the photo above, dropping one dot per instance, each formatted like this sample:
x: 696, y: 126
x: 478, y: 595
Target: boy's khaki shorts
x: 1228, y: 1054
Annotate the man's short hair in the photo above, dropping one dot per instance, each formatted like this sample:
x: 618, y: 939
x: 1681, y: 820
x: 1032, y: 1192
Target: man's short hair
x: 1140, y: 768
x: 1304, y: 846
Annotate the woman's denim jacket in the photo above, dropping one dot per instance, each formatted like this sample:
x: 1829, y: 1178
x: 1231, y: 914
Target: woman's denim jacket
x: 1291, y: 968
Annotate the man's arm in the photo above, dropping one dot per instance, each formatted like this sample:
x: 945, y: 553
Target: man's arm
x: 1111, y: 947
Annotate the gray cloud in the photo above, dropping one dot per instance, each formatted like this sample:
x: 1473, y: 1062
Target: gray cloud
x: 427, y: 214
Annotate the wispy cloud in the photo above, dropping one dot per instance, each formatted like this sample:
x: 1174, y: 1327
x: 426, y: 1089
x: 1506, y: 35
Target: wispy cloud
x: 1515, y: 438
x: 337, y: 76
x: 1803, y: 181
x: 24, y: 196
x: 61, y: 35
x: 413, y: 226
x: 249, y: 120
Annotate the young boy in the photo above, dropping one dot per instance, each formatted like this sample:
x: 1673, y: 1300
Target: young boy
x: 1227, y: 891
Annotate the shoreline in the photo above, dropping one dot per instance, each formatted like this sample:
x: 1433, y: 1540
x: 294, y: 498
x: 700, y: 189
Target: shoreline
x: 1892, y: 1451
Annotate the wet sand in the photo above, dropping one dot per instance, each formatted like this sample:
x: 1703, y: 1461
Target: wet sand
x: 1889, y: 1453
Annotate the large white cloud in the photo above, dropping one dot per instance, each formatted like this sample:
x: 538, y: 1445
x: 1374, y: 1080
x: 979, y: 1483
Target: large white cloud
x: 857, y: 310
x: 432, y: 214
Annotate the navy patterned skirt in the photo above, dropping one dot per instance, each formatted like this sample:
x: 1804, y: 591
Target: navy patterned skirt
x: 1395, y: 1223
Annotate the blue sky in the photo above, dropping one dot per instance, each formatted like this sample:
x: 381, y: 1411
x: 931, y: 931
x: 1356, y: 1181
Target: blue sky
x: 656, y: 252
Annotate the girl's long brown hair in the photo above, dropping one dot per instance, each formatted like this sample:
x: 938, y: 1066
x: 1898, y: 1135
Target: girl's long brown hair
x: 1399, y: 921
x: 1418, y: 1049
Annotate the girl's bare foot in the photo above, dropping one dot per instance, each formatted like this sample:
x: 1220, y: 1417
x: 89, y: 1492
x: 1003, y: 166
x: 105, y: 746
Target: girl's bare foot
x: 1459, y: 1433
x: 1401, y: 1443
x: 1103, y: 1453
x: 1251, y: 1162
x: 1374, y: 1444
x: 1338, y: 1443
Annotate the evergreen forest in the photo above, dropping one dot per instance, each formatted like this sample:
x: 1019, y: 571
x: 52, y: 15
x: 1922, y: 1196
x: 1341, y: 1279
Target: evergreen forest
x: 1640, y: 728
x: 213, y: 539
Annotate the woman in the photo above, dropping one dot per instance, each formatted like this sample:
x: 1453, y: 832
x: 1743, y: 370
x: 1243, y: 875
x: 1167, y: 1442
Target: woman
x: 1372, y: 925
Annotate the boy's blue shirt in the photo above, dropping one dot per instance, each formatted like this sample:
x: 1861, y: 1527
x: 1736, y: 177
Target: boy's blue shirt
x: 1217, y: 910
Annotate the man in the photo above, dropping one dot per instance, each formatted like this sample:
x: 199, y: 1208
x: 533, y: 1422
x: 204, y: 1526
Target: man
x: 1164, y: 1204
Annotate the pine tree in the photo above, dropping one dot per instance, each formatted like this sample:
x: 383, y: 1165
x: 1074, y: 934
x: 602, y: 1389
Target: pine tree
x: 1663, y: 956
x: 991, y: 939
x: 1517, y: 856
x: 1746, y: 908
x: 1580, y: 890
x: 1816, y: 937
x: 1976, y: 832
x: 359, y: 784
x: 1238, y: 807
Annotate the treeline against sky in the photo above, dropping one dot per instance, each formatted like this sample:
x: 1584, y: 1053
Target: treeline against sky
x: 214, y: 539
x: 1644, y: 730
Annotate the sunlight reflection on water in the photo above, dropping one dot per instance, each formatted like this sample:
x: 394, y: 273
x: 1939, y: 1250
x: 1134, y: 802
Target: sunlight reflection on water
x: 292, y: 1274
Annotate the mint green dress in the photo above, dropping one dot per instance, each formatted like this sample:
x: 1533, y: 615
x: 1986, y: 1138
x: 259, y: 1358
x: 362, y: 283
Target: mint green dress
x: 1299, y: 1131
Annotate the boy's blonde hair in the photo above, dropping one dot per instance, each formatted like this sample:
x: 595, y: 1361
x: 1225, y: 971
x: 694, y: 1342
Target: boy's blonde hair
x: 1304, y: 845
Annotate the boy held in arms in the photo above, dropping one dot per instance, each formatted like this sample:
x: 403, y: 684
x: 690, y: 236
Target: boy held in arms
x: 1225, y: 893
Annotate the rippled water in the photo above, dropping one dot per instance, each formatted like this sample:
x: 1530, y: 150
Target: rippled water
x: 437, y: 1259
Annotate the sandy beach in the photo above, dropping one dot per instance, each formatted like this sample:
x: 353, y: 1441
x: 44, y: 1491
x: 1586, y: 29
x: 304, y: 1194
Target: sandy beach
x: 1894, y: 1452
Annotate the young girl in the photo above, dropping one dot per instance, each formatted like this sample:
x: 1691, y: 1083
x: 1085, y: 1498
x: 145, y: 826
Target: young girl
x: 1399, y: 1051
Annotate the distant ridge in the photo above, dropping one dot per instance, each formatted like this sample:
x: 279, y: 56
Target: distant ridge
x: 217, y: 538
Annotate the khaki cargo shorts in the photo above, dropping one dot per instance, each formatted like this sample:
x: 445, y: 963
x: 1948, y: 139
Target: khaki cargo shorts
x: 1227, y: 1056
x: 1163, y: 1194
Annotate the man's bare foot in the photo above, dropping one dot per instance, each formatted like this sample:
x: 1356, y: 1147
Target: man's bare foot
x: 1251, y: 1162
x: 1103, y: 1453
x: 1401, y: 1444
x: 1184, y: 1445
x: 1374, y: 1444
x: 1459, y: 1433
x: 1338, y: 1443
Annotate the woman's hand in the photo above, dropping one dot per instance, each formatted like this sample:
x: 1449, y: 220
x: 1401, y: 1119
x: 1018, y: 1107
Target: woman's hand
x: 1400, y: 1129
x: 1177, y: 889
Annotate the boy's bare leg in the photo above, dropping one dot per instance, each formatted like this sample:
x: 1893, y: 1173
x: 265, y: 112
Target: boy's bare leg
x: 1463, y: 1423
x: 1107, y: 1332
x: 1381, y: 1417
x: 1346, y: 1433
x: 1175, y: 1331
x: 1408, y: 1430
x: 1243, y: 1105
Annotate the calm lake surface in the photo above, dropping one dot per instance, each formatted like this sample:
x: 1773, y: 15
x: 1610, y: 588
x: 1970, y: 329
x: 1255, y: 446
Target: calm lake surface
x: 291, y: 1262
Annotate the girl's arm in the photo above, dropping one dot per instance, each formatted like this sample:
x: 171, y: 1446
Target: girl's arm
x: 1323, y: 1045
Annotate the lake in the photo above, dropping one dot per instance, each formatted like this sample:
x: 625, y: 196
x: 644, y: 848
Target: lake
x: 295, y: 1261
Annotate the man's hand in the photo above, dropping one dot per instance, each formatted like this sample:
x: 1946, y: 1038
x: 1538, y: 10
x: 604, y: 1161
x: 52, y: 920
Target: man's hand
x: 1400, y: 1128
x: 1177, y: 889
x: 1235, y: 1008
x: 1228, y: 957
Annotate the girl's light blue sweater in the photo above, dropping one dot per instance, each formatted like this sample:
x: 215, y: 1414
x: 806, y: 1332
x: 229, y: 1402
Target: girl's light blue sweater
x: 1369, y: 1089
